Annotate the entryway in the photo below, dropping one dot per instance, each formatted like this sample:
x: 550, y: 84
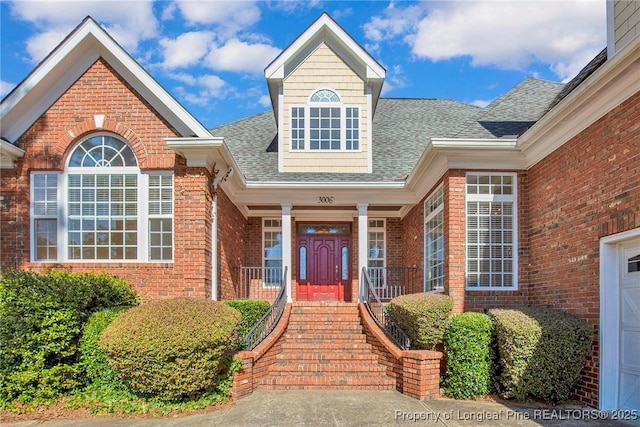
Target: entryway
x: 620, y: 321
x: 323, y: 262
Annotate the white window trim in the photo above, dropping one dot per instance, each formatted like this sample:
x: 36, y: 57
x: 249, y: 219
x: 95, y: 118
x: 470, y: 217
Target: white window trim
x: 266, y: 228
x: 427, y: 218
x: 495, y: 198
x: 382, y: 229
x: 171, y: 216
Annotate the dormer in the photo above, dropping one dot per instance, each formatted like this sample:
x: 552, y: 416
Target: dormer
x: 324, y: 89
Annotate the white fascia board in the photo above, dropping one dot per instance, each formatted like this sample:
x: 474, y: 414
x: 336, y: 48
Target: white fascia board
x: 9, y: 153
x: 610, y: 85
x: 325, y: 185
x: 340, y: 197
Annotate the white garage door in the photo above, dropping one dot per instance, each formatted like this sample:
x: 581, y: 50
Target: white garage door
x: 629, y: 392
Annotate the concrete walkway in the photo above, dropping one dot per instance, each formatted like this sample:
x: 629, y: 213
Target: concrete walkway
x: 357, y: 408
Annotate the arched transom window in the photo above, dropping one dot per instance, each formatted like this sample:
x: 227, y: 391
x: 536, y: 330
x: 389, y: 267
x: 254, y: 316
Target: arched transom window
x: 102, y: 207
x: 325, y: 123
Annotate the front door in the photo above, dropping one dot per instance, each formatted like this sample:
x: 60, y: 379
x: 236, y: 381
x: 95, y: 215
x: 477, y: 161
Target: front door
x: 323, y: 267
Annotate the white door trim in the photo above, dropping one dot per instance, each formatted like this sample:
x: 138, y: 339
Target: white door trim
x: 610, y: 249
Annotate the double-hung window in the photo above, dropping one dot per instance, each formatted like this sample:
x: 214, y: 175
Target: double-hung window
x: 434, y: 241
x: 491, y: 231
x: 325, y: 123
x: 102, y: 208
x: 377, y: 252
x: 272, y: 251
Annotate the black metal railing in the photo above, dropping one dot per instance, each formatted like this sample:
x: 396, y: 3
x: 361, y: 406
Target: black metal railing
x: 265, y: 325
x: 257, y: 282
x: 391, y: 282
x: 379, y: 312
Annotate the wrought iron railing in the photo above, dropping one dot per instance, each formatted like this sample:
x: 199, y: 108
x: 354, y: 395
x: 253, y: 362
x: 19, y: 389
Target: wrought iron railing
x: 379, y: 312
x: 265, y: 325
x: 257, y: 282
x: 390, y: 282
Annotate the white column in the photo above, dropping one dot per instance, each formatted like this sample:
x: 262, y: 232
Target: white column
x: 363, y: 235
x: 286, y: 246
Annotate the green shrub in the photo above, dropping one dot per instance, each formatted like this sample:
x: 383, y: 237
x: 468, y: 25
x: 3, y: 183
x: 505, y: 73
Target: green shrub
x: 173, y: 348
x: 424, y: 317
x: 540, y: 352
x: 252, y: 311
x: 94, y: 362
x: 41, y: 319
x: 467, y: 345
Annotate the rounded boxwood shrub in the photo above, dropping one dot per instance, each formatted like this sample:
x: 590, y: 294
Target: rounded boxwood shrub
x: 541, y: 352
x: 252, y: 311
x: 93, y: 360
x: 424, y: 317
x: 172, y: 348
x: 469, y: 355
x: 42, y: 315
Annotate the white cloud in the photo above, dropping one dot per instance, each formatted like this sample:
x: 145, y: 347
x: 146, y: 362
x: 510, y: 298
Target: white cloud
x: 128, y: 22
x: 239, y: 56
x: 505, y: 34
x: 186, y: 49
x: 264, y: 101
x: 230, y: 16
x: 395, y: 79
x: 5, y: 88
x: 204, y: 88
x: 481, y: 102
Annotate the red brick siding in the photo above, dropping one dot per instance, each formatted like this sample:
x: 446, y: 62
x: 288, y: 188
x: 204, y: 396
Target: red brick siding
x: 586, y: 189
x: 100, y: 90
x: 413, y: 243
x: 232, y: 238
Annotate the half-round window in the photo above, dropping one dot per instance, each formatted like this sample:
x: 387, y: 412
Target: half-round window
x: 102, y: 151
x: 325, y: 95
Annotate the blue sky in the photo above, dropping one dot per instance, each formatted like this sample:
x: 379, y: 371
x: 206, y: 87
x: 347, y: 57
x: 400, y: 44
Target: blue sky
x: 211, y: 55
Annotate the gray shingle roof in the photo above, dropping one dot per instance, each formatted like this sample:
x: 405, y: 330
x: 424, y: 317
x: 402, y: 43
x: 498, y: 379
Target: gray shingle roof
x: 402, y: 128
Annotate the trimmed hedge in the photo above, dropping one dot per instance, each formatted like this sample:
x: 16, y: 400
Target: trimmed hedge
x: 98, y: 371
x: 469, y: 355
x: 252, y: 311
x: 172, y: 349
x: 424, y: 317
x: 541, y: 352
x: 41, y: 320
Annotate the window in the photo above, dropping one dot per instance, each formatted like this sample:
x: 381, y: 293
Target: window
x: 325, y: 124
x: 272, y: 251
x: 491, y: 231
x: 100, y: 208
x: 376, y: 252
x: 434, y: 241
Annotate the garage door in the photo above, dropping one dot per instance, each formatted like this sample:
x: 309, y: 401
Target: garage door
x: 629, y: 391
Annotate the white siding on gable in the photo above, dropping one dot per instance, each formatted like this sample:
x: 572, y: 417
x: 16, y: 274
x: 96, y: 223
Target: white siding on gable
x: 626, y: 22
x: 324, y: 69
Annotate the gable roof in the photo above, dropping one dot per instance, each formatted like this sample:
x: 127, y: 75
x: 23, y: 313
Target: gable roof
x: 66, y: 63
x: 324, y: 30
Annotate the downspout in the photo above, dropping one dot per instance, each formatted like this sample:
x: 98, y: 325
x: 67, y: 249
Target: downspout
x: 214, y: 232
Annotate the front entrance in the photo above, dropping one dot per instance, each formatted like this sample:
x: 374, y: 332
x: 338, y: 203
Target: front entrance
x: 323, y: 268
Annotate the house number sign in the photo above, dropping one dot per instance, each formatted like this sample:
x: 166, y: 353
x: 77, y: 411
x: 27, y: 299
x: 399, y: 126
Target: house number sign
x: 325, y: 200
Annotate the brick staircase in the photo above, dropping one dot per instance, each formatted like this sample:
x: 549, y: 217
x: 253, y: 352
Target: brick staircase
x: 324, y: 347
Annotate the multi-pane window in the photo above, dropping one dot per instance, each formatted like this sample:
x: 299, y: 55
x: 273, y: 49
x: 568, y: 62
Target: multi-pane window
x: 101, y: 206
x: 491, y: 231
x: 272, y: 250
x: 434, y: 241
x: 376, y: 252
x: 325, y: 124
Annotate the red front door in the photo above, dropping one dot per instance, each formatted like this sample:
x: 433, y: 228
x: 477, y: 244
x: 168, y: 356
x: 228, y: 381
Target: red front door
x: 323, y: 267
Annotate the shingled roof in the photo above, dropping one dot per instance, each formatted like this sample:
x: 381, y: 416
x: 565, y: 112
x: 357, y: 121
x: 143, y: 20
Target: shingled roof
x: 402, y: 129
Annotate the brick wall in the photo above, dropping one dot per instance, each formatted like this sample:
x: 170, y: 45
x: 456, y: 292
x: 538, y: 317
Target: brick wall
x: 100, y: 90
x: 232, y: 237
x: 413, y: 243
x: 586, y: 189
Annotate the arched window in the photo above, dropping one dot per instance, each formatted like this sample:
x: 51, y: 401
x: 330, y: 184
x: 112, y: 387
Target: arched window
x: 325, y: 123
x: 102, y: 208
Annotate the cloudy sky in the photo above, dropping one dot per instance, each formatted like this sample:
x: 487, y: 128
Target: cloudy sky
x: 211, y: 54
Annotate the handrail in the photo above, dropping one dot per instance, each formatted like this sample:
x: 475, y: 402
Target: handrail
x: 268, y: 321
x: 380, y: 314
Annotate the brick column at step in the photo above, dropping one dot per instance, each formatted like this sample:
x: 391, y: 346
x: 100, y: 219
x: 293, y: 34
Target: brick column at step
x: 243, y: 380
x: 421, y: 374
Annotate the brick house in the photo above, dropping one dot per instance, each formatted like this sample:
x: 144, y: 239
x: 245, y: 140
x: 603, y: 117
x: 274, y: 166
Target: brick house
x: 534, y: 199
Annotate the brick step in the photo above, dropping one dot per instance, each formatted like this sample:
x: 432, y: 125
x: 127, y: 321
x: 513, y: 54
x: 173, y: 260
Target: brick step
x: 333, y: 382
x: 349, y: 328
x: 301, y: 369
x: 319, y: 336
x: 317, y: 347
x: 325, y: 318
x: 323, y: 310
x: 328, y: 357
